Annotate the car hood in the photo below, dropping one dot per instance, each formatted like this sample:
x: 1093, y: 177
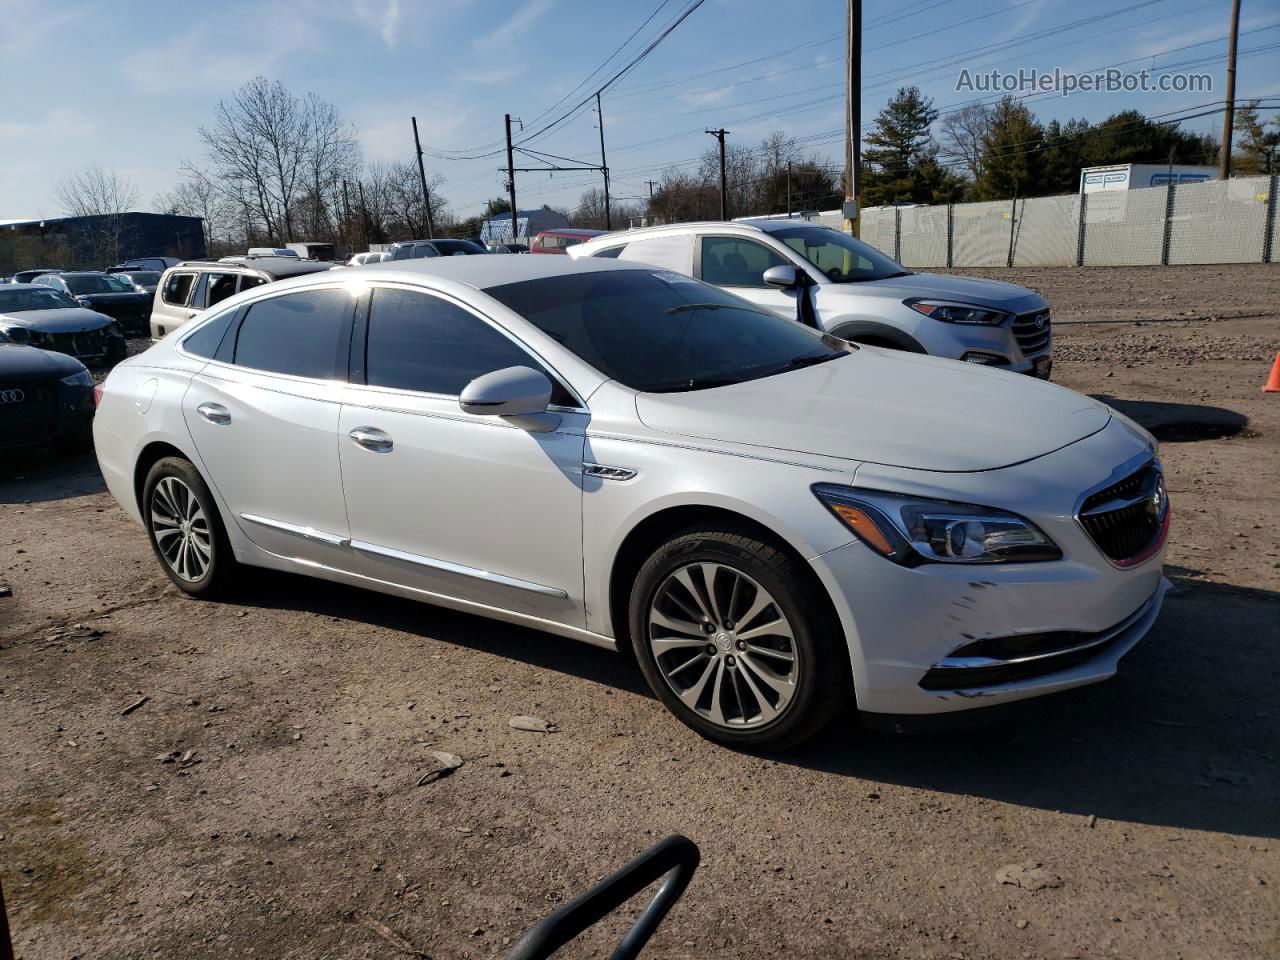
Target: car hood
x: 19, y: 360
x: 880, y: 406
x: 975, y: 290
x: 65, y: 320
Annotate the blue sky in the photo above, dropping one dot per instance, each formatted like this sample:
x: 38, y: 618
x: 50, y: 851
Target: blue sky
x: 127, y: 83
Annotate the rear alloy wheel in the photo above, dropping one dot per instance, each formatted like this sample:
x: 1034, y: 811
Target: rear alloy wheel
x: 185, y: 530
x: 733, y: 639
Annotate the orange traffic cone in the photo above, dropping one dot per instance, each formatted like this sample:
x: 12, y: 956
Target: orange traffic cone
x: 1273, y: 381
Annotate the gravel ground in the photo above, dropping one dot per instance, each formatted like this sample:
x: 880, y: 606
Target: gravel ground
x: 262, y: 800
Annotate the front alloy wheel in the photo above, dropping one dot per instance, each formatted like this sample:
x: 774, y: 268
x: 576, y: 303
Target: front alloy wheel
x: 736, y: 636
x: 723, y: 645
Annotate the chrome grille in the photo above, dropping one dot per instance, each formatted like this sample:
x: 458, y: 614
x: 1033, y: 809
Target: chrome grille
x: 1127, y: 518
x: 1033, y: 337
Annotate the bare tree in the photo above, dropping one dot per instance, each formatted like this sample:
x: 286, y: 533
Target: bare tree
x: 962, y: 134
x: 196, y: 195
x: 101, y: 193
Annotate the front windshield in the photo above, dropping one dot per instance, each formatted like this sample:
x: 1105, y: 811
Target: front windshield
x: 840, y: 257
x: 16, y: 301
x: 88, y: 283
x: 664, y: 332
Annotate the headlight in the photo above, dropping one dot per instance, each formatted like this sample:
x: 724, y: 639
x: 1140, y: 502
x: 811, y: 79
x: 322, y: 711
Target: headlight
x: 85, y: 302
x: 81, y: 378
x: 949, y: 312
x: 16, y: 334
x: 114, y: 330
x: 915, y: 530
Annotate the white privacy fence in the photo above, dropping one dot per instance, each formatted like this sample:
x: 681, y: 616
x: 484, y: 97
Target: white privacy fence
x: 1219, y: 221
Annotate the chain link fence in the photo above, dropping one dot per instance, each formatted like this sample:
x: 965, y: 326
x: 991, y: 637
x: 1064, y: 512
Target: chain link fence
x: 1219, y: 221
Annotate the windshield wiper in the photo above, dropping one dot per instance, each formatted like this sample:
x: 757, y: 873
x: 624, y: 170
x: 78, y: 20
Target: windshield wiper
x: 693, y: 383
x: 800, y: 363
x: 682, y: 307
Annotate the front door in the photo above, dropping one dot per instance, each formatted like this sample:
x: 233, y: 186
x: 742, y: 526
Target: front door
x: 738, y: 265
x: 469, y: 507
x: 265, y: 424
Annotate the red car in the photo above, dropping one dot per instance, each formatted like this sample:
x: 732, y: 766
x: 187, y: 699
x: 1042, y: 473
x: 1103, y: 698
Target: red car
x: 558, y: 241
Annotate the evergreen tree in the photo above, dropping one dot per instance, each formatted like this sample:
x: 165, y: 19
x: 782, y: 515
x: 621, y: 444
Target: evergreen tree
x: 901, y: 156
x: 1129, y: 137
x: 1063, y: 153
x: 1012, y: 158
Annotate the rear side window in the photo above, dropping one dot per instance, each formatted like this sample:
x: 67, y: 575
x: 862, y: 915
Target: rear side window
x: 204, y: 342
x: 298, y: 333
x: 734, y: 262
x: 670, y: 253
x: 177, y: 288
x: 248, y: 282
x: 611, y: 253
x: 221, y: 286
x: 423, y: 343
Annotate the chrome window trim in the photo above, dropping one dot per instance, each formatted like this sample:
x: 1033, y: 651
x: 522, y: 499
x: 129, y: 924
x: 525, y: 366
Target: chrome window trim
x: 474, y: 573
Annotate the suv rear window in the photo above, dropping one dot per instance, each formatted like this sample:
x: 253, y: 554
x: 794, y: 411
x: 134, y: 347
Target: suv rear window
x: 178, y: 287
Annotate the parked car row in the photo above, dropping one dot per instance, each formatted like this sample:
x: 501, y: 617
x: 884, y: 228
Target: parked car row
x: 776, y: 522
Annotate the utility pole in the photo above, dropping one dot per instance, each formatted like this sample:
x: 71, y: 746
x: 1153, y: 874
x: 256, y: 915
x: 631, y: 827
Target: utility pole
x: 422, y: 176
x: 788, y: 189
x: 853, y: 114
x: 724, y: 192
x: 364, y: 213
x: 1229, y: 116
x: 511, y: 181
x: 604, y: 166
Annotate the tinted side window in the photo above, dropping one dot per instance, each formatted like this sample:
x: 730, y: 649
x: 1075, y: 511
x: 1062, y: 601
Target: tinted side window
x: 611, y: 253
x: 221, y: 286
x: 420, y: 342
x: 204, y: 342
x: 298, y: 333
x: 248, y: 282
x: 732, y: 262
x: 177, y: 287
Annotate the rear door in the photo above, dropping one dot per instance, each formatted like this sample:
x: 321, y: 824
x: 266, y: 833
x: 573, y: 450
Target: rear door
x: 264, y: 419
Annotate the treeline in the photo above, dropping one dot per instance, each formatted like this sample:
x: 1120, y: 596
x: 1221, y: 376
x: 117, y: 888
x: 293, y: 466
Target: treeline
x: 914, y: 154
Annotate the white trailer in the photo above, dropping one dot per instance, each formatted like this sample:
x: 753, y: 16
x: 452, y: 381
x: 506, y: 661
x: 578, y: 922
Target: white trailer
x: 1133, y: 176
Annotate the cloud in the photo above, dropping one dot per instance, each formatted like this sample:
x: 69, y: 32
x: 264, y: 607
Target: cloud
x: 1157, y: 41
x: 214, y: 58
x: 490, y: 77
x: 708, y: 97
x: 387, y: 135
x: 517, y: 25
x: 382, y: 16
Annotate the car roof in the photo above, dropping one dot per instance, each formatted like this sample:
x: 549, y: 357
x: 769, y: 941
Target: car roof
x: 24, y: 286
x: 572, y: 232
x: 274, y: 267
x: 489, y: 271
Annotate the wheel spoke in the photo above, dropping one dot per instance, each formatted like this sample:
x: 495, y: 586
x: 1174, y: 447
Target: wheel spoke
x: 767, y: 712
x: 758, y: 605
x: 696, y: 658
x: 770, y: 652
x: 694, y: 693
x: 717, y: 711
x: 781, y: 685
x: 660, y: 619
x: 686, y: 581
x: 709, y: 571
x: 661, y: 645
x: 774, y: 628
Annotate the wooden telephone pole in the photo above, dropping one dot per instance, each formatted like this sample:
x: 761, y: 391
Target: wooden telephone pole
x: 422, y: 176
x: 511, y: 181
x: 853, y: 114
x: 724, y: 191
x: 1229, y: 115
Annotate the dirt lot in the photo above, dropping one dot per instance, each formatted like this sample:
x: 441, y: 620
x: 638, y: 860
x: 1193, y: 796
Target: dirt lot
x: 262, y: 799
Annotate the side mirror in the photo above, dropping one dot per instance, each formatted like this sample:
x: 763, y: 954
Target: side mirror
x: 787, y: 277
x: 513, y: 392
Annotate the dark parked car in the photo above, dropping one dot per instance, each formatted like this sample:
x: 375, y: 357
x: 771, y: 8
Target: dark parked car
x: 45, y: 398
x: 26, y: 276
x: 40, y: 316
x: 418, y: 249
x: 145, y: 281
x: 158, y: 264
x: 106, y: 293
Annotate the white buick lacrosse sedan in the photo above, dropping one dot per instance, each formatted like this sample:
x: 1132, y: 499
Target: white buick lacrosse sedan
x: 775, y: 523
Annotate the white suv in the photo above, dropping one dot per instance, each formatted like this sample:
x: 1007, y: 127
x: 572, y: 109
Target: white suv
x: 829, y: 280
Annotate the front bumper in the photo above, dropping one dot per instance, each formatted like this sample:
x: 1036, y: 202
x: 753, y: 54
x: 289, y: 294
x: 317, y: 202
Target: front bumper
x: 1004, y: 632
x: 1019, y: 347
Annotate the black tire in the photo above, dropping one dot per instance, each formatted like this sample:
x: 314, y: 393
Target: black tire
x: 221, y: 569
x: 821, y: 680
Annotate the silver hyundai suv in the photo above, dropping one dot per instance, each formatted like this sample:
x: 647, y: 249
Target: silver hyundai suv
x: 829, y: 280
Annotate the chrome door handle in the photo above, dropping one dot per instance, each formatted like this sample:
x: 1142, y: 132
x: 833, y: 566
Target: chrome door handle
x: 371, y: 438
x: 214, y: 413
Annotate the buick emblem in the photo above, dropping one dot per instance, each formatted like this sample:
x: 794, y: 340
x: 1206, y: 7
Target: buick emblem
x: 1041, y: 320
x: 12, y: 396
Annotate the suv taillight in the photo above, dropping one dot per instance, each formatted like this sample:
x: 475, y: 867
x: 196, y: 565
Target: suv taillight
x: 97, y: 394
